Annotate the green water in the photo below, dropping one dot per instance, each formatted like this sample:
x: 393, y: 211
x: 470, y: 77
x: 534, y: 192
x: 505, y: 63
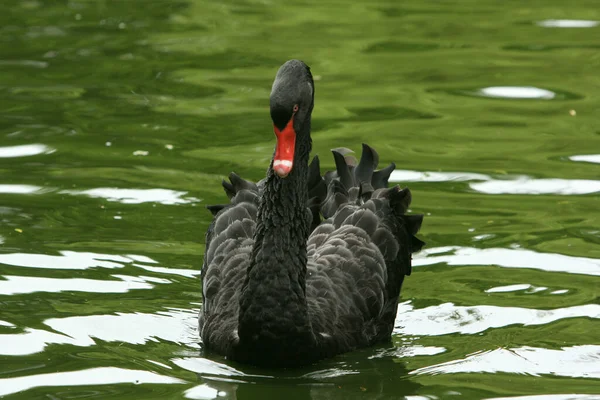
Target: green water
x: 118, y: 120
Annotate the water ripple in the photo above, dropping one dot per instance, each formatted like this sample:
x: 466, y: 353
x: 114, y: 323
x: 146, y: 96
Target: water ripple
x: 538, y: 186
x: 402, y: 175
x: 568, y: 23
x: 519, y: 184
x: 203, y: 392
x: 85, y: 260
x: 512, y: 93
x: 31, y: 341
x: 521, y: 287
x: 25, y: 150
x: 21, y: 189
x: 92, y: 376
x: 30, y: 284
x: 124, y: 196
x: 510, y: 258
x: 516, y: 92
x: 135, y: 328
x: 205, y: 366
x: 7, y: 324
x: 23, y: 63
x: 445, y: 319
x: 591, y: 158
x: 66, y: 260
x: 575, y: 362
x: 189, y: 273
x: 136, y: 196
x: 509, y: 288
x: 408, y: 351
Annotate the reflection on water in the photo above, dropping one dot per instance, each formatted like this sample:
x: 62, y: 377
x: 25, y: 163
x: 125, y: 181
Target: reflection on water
x: 142, y: 109
x: 349, y: 376
x: 136, y: 196
x: 66, y: 260
x: 203, y: 392
x: 575, y: 361
x: 25, y: 150
x: 447, y: 318
x: 80, y: 260
x: 401, y: 175
x: 207, y: 367
x: 125, y: 196
x: 409, y: 351
x: 510, y: 258
x: 519, y: 184
x: 93, y: 376
x: 172, y: 325
x: 568, y: 23
x: 513, y: 93
x: 190, y: 273
x: 21, y: 189
x: 509, y: 288
x: 591, y: 158
x: 516, y: 92
x: 523, y: 287
x: 175, y: 326
x: 538, y: 186
x: 30, y: 284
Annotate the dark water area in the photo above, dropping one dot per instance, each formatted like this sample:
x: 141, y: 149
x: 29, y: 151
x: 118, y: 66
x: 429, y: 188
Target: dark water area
x: 118, y: 120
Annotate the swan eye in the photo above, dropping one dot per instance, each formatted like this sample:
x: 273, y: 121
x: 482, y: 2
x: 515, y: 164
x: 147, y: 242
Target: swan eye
x: 295, y: 107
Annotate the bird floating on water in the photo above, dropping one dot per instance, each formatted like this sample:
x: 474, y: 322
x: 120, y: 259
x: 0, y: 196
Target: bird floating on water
x: 303, y: 266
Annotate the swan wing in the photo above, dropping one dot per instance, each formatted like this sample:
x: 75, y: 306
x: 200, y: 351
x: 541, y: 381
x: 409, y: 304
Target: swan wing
x: 359, y: 256
x: 229, y: 242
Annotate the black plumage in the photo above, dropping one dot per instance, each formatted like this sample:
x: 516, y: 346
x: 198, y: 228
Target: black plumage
x: 282, y: 287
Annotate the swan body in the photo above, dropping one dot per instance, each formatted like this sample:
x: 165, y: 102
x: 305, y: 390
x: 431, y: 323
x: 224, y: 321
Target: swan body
x: 301, y: 266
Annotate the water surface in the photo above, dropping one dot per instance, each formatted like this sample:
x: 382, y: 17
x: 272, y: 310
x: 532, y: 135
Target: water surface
x: 118, y: 119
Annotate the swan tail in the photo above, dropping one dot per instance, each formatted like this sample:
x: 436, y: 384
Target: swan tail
x: 399, y: 201
x: 363, y: 173
x: 381, y: 177
x: 360, y: 184
x: 343, y: 170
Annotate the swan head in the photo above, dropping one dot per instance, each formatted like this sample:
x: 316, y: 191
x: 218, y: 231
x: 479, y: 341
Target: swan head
x: 292, y: 98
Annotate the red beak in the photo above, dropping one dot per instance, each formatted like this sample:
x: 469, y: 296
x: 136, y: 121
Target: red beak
x: 284, y: 150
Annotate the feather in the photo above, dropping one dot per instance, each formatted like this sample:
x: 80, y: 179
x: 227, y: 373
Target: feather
x: 342, y: 170
x: 281, y: 287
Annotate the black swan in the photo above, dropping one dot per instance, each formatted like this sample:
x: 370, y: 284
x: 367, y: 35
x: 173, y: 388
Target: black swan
x: 280, y: 287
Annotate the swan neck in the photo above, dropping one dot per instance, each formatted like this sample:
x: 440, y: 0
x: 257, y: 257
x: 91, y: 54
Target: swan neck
x: 273, y: 306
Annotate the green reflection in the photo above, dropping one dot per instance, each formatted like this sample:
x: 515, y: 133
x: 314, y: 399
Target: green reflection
x: 174, y: 95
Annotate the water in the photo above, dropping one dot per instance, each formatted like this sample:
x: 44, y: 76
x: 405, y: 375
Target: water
x: 119, y: 118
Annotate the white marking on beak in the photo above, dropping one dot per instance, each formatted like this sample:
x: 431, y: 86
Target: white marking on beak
x: 285, y: 163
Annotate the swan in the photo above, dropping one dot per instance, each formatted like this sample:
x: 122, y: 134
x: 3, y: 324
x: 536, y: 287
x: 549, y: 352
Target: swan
x: 281, y: 288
